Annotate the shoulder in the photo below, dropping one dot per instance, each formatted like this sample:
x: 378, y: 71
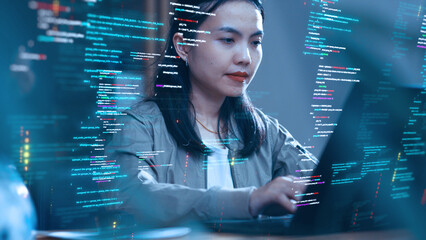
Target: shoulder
x: 142, y: 116
x: 136, y: 128
x: 276, y: 134
x: 279, y: 136
x: 145, y: 111
x: 271, y: 124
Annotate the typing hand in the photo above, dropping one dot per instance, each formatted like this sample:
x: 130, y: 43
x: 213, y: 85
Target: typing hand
x: 276, y: 197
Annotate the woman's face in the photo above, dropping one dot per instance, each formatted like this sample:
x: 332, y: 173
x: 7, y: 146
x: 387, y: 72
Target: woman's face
x: 228, y: 60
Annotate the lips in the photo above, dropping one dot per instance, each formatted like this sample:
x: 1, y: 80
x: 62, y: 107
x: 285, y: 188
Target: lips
x: 238, y: 76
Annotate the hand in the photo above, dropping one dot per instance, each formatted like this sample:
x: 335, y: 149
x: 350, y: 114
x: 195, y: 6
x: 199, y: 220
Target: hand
x: 280, y: 191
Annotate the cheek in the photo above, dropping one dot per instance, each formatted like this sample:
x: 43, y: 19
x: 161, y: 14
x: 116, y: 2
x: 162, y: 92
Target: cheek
x: 257, y: 58
x: 205, y: 56
x: 259, y: 55
x: 205, y: 65
x: 213, y: 64
x: 217, y: 57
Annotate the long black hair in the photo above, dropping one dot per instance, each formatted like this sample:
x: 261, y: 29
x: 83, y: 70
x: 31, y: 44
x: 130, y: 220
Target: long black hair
x: 172, y: 87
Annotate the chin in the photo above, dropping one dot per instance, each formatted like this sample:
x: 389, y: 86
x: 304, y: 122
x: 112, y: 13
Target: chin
x: 235, y: 92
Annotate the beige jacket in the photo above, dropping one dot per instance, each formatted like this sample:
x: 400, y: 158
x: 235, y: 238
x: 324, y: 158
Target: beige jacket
x: 161, y: 183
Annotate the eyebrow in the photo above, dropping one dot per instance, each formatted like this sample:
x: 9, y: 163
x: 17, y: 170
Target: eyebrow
x: 235, y: 31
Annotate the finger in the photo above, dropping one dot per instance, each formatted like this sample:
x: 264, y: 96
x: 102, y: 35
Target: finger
x: 298, y: 185
x: 291, y: 189
x: 298, y: 180
x: 294, y: 191
x: 288, y: 178
x: 298, y: 193
x: 285, y: 202
x: 299, y: 188
x: 291, y: 176
x: 284, y: 185
x: 293, y: 194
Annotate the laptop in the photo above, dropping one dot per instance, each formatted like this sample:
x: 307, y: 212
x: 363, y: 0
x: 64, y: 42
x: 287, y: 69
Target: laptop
x: 371, y: 175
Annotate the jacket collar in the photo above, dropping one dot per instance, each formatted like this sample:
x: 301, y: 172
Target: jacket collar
x: 233, y: 136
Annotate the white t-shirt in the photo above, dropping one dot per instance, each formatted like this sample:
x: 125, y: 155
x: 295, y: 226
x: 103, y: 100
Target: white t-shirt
x: 218, y: 169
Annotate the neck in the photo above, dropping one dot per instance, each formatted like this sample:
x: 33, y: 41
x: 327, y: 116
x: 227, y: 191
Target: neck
x: 207, y: 106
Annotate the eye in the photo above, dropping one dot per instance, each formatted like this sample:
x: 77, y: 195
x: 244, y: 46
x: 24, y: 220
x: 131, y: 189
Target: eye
x: 257, y: 43
x: 227, y: 40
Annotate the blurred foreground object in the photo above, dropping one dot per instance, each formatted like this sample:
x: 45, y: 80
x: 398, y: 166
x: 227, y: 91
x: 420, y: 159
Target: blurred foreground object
x: 18, y: 217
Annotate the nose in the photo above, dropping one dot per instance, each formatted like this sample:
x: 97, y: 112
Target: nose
x: 243, y: 56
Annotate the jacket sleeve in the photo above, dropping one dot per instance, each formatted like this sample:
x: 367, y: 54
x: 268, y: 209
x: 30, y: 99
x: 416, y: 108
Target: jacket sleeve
x: 155, y: 203
x: 290, y: 158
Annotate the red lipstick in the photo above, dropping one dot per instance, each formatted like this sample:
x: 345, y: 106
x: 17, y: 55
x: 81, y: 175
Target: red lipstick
x: 238, y: 76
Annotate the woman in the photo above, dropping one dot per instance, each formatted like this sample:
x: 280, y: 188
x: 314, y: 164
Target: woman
x: 198, y: 147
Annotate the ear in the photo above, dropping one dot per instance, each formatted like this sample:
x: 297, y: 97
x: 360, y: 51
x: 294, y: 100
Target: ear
x: 181, y: 49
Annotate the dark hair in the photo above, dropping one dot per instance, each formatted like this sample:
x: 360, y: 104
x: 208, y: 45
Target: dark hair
x: 175, y: 103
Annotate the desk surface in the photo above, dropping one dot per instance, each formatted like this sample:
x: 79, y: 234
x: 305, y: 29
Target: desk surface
x: 375, y: 235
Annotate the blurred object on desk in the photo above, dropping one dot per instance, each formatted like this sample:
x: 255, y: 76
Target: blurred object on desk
x: 18, y: 217
x: 128, y: 233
